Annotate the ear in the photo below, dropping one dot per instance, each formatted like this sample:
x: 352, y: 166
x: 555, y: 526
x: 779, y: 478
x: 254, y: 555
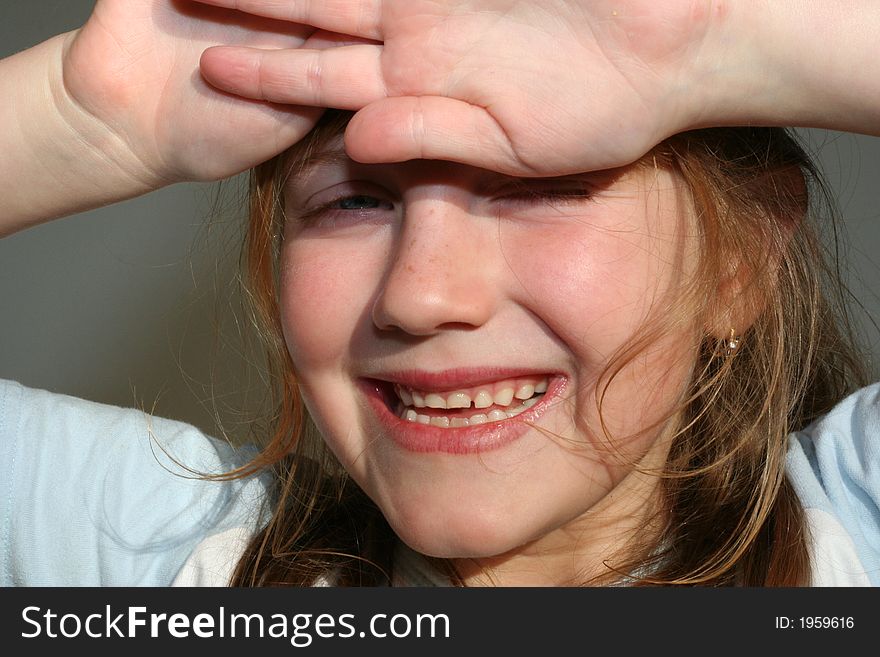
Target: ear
x: 741, y: 297
x: 751, y: 278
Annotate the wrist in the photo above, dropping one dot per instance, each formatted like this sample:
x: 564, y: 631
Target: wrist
x: 729, y: 79
x: 61, y: 160
x: 106, y: 147
x: 791, y: 63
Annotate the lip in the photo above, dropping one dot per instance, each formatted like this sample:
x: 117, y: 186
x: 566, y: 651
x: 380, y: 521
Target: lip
x: 415, y: 437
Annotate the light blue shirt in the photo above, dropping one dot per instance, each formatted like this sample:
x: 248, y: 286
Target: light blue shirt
x: 834, y: 465
x: 89, y: 498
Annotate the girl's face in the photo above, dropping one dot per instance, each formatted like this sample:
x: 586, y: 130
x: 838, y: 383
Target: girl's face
x: 450, y: 327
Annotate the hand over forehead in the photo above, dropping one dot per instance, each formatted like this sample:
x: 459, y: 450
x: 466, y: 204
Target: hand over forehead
x: 525, y: 88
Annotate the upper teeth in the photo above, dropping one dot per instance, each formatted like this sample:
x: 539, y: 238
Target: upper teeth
x: 495, y: 415
x: 499, y: 394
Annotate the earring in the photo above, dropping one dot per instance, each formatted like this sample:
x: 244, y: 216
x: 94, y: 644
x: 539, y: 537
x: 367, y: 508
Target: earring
x: 732, y: 343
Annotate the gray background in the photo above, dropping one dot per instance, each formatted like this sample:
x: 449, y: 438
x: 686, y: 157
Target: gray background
x: 131, y: 304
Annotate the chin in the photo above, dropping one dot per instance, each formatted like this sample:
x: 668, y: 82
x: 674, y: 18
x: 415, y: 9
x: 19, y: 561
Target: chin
x: 456, y: 535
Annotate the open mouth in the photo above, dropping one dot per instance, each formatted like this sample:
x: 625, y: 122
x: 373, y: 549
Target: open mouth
x: 466, y: 407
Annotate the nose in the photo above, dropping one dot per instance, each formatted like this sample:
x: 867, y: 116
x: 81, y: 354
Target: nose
x: 441, y: 274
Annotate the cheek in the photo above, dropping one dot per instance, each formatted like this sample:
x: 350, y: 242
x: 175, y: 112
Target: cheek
x: 596, y: 286
x: 607, y: 279
x: 325, y: 292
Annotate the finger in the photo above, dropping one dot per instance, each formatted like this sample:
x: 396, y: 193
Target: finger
x: 431, y: 128
x: 272, y: 130
x: 347, y: 77
x: 356, y: 17
x: 322, y: 39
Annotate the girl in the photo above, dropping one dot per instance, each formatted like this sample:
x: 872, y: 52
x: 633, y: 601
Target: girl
x: 557, y: 345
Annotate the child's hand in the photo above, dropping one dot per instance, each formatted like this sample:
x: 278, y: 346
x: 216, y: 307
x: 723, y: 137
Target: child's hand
x: 524, y: 87
x: 132, y: 71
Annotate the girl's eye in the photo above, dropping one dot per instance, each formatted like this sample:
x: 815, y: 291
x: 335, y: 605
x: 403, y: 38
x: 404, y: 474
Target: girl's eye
x: 345, y: 209
x: 545, y: 191
x: 550, y: 195
x: 360, y: 202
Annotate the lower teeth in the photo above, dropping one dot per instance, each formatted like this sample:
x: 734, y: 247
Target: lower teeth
x: 495, y: 415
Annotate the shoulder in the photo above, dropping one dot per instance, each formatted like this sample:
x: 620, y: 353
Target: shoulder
x: 93, y: 494
x: 834, y: 465
x: 213, y: 561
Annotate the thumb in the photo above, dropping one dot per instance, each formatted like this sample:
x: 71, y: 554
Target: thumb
x: 432, y: 128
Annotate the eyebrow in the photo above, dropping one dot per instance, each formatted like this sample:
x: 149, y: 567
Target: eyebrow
x: 325, y: 155
x: 329, y: 152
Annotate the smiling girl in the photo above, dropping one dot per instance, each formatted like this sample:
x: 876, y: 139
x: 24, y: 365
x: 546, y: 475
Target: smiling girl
x: 528, y: 376
x: 538, y: 348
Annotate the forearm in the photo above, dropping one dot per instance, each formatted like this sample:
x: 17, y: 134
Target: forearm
x: 809, y: 63
x: 57, y: 159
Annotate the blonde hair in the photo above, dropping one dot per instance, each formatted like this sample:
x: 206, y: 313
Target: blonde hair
x: 733, y: 518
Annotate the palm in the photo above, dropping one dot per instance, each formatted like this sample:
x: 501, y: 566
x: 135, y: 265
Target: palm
x: 134, y: 67
x: 520, y: 86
